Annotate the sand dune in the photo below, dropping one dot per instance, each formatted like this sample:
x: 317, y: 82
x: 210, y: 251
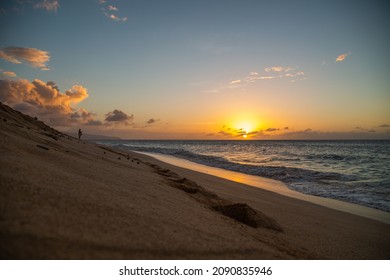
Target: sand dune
x: 61, y: 198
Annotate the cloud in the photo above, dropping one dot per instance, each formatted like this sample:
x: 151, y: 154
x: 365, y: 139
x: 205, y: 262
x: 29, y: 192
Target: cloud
x: 342, y: 57
x: 112, y: 8
x: 9, y: 58
x: 235, y: 82
x: 116, y: 18
x: 271, y: 129
x: 278, y: 69
x: 152, y: 121
x: 34, y: 57
x: 224, y: 133
x: 296, y: 74
x: 109, y: 12
x: 7, y: 74
x: 49, y: 5
x: 385, y: 125
x: 117, y: 117
x: 266, y: 78
x: 45, y: 101
x: 270, y: 73
x: 307, y: 134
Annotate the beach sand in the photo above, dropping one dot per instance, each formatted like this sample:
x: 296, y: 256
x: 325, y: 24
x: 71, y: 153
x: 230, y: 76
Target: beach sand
x: 64, y: 198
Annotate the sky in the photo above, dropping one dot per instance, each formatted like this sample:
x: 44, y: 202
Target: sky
x: 216, y: 69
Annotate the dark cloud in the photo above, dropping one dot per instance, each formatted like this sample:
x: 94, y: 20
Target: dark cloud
x: 385, y: 125
x: 94, y: 123
x: 224, y: 133
x: 152, y: 121
x: 118, y: 117
x: 271, y: 129
x: 286, y: 128
x: 53, y: 85
x: 255, y: 133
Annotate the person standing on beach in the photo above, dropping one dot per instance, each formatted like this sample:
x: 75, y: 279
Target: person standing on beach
x: 80, y: 133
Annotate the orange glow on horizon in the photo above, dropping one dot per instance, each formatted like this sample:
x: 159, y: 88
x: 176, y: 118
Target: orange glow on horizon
x: 246, y: 127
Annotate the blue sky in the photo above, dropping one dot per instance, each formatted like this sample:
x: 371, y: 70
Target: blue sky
x: 197, y: 68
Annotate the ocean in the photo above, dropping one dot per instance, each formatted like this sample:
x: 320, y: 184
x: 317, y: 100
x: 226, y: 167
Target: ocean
x: 352, y: 171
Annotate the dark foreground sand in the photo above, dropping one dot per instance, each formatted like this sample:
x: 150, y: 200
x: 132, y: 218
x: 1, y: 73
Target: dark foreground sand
x: 61, y: 198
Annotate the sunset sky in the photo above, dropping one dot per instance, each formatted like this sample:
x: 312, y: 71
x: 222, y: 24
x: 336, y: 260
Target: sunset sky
x: 215, y: 69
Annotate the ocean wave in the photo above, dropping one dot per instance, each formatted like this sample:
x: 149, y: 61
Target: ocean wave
x: 333, y: 185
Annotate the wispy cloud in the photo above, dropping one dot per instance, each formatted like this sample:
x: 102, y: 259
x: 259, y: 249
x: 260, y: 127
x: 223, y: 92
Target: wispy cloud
x: 34, y: 57
x: 110, y: 10
x: 270, y: 73
x: 9, y: 74
x: 342, y: 57
x: 278, y: 69
x: 48, y: 5
x: 115, y: 18
x: 271, y: 129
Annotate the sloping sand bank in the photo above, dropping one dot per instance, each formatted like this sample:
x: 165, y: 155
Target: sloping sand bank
x: 61, y: 198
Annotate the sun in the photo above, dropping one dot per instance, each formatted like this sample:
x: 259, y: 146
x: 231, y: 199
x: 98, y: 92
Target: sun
x: 245, y: 128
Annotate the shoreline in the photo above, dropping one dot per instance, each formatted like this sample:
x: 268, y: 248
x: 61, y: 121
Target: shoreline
x: 274, y: 186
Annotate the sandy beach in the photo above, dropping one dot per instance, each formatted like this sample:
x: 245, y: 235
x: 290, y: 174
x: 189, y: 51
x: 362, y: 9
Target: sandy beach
x: 64, y: 198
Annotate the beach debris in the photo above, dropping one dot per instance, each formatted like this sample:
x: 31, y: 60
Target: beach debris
x: 42, y: 147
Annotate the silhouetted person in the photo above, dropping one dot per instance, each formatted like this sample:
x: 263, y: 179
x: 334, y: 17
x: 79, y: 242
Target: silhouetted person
x: 80, y: 133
